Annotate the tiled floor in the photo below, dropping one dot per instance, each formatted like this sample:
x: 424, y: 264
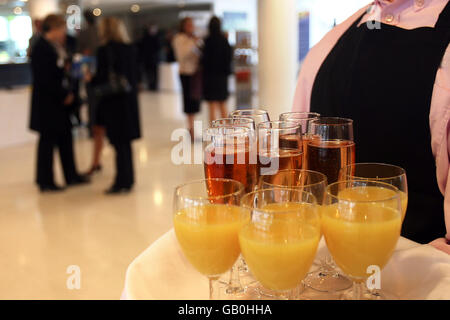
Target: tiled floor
x: 41, y: 235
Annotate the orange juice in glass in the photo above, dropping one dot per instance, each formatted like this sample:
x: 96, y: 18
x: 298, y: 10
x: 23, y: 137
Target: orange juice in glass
x: 207, y: 224
x: 361, y: 230
x: 380, y: 172
x: 280, y: 242
x: 208, y: 235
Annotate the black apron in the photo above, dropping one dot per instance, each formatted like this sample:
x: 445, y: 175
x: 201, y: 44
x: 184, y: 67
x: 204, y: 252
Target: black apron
x: 383, y: 79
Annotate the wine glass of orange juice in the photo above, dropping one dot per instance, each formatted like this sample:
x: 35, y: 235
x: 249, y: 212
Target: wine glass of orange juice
x: 361, y: 231
x: 316, y: 183
x: 207, y: 223
x: 280, y: 242
x: 381, y: 172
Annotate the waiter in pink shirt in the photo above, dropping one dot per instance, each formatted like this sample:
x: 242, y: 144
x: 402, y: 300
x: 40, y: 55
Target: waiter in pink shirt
x: 388, y: 68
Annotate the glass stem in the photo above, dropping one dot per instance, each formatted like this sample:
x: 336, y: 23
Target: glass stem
x: 358, y: 289
x: 211, y: 289
x: 234, y: 284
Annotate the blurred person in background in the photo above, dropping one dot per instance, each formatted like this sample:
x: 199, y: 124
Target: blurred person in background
x: 168, y: 47
x: 88, y: 38
x: 216, y: 65
x: 187, y: 53
x: 50, y: 106
x: 149, y: 55
x: 88, y: 43
x: 118, y: 110
x: 37, y: 32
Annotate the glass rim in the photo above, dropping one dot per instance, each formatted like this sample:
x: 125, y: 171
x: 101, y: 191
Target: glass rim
x: 248, y: 119
x: 314, y: 114
x: 215, y: 131
x: 201, y: 181
x: 292, y: 125
x: 344, y: 121
x: 252, y: 111
x: 377, y: 164
x: 248, y: 195
x: 299, y: 171
x: 389, y: 186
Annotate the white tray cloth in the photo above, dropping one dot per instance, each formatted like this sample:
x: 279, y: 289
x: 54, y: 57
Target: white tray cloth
x: 162, y: 272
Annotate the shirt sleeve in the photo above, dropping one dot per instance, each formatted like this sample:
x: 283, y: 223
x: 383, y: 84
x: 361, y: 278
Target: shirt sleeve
x: 440, y: 132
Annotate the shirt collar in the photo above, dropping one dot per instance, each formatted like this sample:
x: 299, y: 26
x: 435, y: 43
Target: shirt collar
x: 383, y: 3
x: 418, y: 4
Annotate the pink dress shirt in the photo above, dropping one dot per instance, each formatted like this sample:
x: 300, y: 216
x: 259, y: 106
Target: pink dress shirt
x: 407, y: 14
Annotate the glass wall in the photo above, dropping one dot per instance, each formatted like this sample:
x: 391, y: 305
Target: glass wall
x: 15, y: 32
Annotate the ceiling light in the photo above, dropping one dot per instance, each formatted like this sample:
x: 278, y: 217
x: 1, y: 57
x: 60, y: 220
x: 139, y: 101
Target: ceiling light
x: 17, y: 10
x: 97, y: 12
x: 135, y: 8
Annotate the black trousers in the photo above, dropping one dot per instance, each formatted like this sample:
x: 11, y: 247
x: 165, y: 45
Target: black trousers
x: 191, y: 105
x: 124, y: 165
x: 151, y: 72
x: 46, y: 146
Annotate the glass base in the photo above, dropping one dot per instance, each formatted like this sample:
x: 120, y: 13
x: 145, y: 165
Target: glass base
x: 327, y: 281
x: 359, y: 291
x: 258, y: 292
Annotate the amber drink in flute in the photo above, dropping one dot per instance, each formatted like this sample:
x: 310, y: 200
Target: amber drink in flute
x: 332, y: 147
x: 304, y: 119
x: 280, y: 147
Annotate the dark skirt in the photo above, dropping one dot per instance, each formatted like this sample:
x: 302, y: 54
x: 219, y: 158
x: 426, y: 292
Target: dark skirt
x: 191, y: 104
x: 215, y: 87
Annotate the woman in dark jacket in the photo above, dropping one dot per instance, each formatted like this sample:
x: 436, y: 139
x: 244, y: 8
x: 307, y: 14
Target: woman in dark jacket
x: 216, y: 63
x: 118, y: 112
x: 50, y: 106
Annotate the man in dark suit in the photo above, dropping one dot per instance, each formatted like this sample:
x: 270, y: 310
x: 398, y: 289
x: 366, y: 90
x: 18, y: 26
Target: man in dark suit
x: 50, y: 112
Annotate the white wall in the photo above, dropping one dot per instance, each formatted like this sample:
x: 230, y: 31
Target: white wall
x: 14, y: 116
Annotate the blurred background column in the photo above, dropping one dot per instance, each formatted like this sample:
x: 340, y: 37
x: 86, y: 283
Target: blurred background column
x: 278, y: 54
x: 40, y: 8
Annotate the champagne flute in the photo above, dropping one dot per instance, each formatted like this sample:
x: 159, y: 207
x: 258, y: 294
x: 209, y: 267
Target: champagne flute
x: 207, y: 223
x: 381, y: 172
x: 304, y: 119
x: 257, y: 115
x: 332, y: 146
x: 234, y: 122
x: 229, y: 154
x: 280, y: 242
x: 280, y: 147
x: 361, y: 231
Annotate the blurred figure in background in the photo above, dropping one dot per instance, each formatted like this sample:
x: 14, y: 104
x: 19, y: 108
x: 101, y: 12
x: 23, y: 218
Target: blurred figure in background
x: 149, y: 55
x: 88, y: 42
x: 88, y: 39
x: 187, y: 53
x: 51, y: 98
x: 168, y: 47
x: 37, y: 32
x: 216, y: 65
x: 118, y: 109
